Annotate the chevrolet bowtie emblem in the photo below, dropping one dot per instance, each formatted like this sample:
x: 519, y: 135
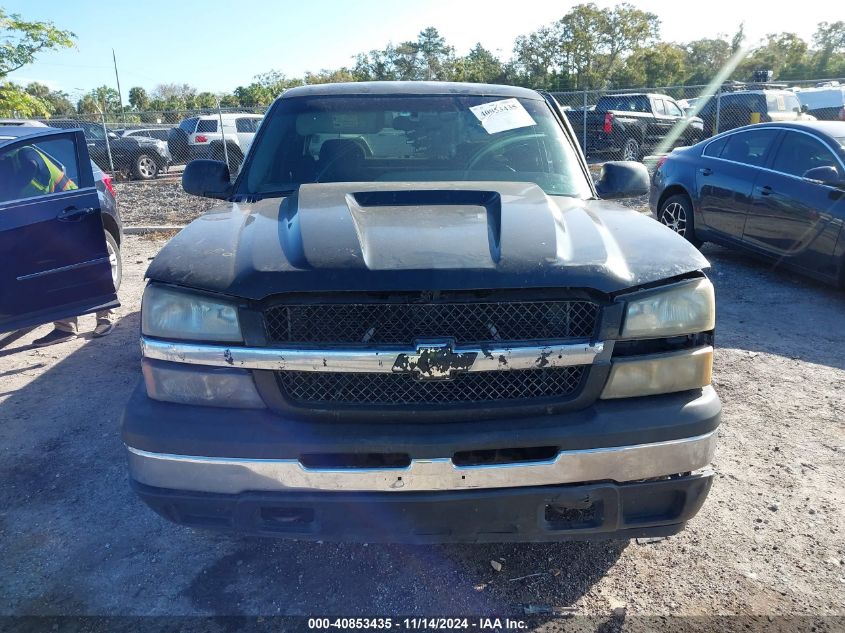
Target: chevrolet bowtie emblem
x: 434, y: 361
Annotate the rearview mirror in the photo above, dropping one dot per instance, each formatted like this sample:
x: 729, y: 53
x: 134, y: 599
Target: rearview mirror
x: 825, y: 175
x: 207, y: 178
x: 622, y: 179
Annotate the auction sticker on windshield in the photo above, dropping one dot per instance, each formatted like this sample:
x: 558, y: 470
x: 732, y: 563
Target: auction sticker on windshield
x: 503, y: 115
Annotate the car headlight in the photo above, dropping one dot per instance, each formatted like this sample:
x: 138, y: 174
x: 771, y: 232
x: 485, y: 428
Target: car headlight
x: 202, y: 386
x: 659, y: 373
x: 169, y: 313
x: 688, y: 307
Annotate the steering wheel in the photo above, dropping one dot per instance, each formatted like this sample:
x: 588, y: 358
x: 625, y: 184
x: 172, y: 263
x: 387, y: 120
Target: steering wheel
x: 498, y: 145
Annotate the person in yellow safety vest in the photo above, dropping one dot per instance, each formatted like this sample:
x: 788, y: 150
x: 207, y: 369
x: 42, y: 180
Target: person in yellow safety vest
x: 27, y: 172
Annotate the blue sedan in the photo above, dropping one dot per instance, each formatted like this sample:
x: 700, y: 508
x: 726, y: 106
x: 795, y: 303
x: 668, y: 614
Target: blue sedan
x: 59, y: 253
x: 776, y: 190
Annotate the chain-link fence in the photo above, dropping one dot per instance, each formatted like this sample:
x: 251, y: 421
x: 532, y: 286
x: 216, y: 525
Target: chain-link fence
x: 633, y: 124
x: 151, y: 144
x: 609, y: 124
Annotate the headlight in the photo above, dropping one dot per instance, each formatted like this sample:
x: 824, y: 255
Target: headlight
x: 659, y: 373
x: 684, y: 308
x: 197, y: 385
x: 168, y: 313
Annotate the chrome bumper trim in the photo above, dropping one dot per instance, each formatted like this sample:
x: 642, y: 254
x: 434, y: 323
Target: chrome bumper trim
x: 233, y: 476
x: 366, y: 360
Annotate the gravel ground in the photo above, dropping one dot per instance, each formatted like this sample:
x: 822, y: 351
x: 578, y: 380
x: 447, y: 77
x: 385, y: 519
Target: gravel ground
x: 770, y: 539
x: 158, y: 202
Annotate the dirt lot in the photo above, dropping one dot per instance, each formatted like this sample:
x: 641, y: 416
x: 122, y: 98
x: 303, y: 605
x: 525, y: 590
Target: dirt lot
x: 770, y: 539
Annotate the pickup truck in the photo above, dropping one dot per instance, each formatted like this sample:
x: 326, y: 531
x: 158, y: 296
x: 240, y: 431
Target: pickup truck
x: 630, y: 126
x: 414, y: 318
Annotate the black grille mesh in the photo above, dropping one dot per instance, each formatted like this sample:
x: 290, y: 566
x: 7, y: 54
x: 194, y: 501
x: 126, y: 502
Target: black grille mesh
x: 403, y: 323
x: 399, y: 389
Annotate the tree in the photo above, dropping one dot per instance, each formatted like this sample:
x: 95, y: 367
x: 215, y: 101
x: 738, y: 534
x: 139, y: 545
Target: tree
x: 435, y: 55
x: 56, y: 102
x: 428, y: 58
x: 329, y: 76
x: 659, y: 65
x: 785, y: 54
x: 479, y: 66
x: 20, y: 42
x: 102, y: 99
x: 206, y: 100
x: 586, y: 46
x: 829, y: 58
x: 138, y: 98
x: 704, y: 58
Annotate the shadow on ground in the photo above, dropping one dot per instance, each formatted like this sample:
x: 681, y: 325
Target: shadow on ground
x: 75, y: 539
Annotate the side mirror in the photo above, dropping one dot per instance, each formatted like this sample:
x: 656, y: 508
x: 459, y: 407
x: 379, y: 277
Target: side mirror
x: 112, y: 135
x: 805, y: 108
x: 207, y: 178
x: 825, y: 175
x: 622, y: 179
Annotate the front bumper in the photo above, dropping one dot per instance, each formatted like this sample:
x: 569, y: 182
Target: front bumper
x: 621, y: 469
x: 235, y: 476
x: 550, y: 513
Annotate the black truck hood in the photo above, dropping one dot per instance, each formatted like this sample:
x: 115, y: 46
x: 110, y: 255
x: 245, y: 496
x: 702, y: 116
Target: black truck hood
x: 421, y: 236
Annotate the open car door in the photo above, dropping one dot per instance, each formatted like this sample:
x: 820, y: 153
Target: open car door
x: 53, y: 258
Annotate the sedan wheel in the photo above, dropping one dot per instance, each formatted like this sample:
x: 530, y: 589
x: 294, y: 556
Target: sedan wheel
x: 675, y: 217
x: 145, y: 167
x: 676, y: 213
x: 115, y: 261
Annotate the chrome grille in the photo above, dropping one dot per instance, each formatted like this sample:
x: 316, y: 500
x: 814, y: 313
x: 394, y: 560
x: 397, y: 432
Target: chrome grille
x: 404, y: 323
x: 401, y: 389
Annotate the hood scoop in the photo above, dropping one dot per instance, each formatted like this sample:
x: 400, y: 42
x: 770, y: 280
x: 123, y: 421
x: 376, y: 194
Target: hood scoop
x: 401, y: 230
x: 418, y: 226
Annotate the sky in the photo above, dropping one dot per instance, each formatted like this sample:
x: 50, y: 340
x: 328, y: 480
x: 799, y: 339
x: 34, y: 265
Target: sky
x: 217, y: 45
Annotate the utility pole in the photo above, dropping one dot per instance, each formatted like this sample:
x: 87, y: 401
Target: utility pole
x: 119, y: 95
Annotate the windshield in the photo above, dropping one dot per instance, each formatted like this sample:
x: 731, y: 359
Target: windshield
x: 427, y: 138
x: 783, y: 102
x: 625, y: 103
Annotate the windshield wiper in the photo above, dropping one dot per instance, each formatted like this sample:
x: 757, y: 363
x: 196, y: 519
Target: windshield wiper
x: 255, y: 197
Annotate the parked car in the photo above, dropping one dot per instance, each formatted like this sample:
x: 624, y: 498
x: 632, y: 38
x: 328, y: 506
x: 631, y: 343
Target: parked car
x: 630, y: 126
x: 60, y: 251
x: 775, y: 190
x: 21, y: 122
x: 142, y: 157
x: 449, y: 339
x: 731, y: 110
x: 201, y: 137
x: 158, y: 133
x: 824, y: 103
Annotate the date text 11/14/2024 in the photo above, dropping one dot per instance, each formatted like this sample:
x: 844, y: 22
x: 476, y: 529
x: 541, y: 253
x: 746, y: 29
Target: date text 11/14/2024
x: 417, y: 623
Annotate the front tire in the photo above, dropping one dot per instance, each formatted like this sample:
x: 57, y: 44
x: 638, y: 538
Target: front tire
x: 115, y: 260
x: 676, y: 212
x: 144, y: 167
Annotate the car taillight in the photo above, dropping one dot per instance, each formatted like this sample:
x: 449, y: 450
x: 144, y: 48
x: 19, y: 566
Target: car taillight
x: 660, y: 161
x: 107, y: 182
x: 608, y: 123
x: 202, y: 139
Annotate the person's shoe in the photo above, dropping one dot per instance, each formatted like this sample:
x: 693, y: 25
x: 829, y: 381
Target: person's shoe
x: 54, y: 337
x: 103, y: 328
